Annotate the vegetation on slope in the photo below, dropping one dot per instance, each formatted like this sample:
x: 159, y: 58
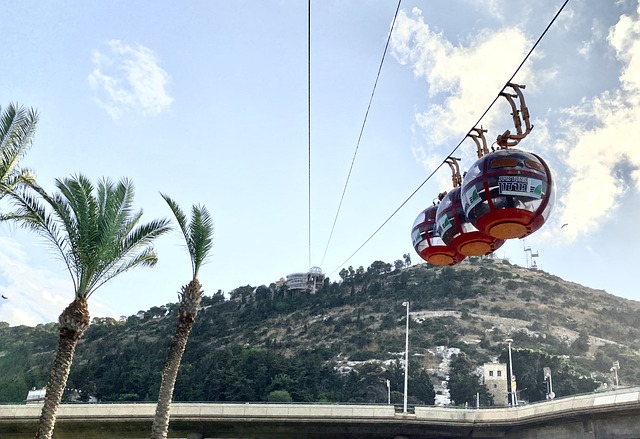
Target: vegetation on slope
x: 343, y: 343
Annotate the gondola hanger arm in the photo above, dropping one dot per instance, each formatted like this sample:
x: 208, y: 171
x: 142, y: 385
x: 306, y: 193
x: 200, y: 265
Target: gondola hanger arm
x: 456, y: 179
x: 482, y: 149
x: 507, y: 139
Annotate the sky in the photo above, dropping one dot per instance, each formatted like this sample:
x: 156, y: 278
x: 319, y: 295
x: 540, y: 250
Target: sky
x: 207, y: 101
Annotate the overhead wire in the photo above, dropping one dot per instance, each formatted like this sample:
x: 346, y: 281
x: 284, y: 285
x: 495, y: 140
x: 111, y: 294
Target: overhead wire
x: 364, y: 122
x: 524, y: 60
x: 309, y: 115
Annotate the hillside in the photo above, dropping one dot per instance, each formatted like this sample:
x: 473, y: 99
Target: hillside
x: 267, y: 338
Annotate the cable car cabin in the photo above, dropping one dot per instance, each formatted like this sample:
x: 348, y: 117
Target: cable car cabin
x: 457, y: 232
x: 428, y: 244
x: 508, y: 193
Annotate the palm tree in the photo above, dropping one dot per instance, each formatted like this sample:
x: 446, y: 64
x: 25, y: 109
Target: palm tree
x: 17, y: 127
x: 198, y: 234
x: 98, y: 235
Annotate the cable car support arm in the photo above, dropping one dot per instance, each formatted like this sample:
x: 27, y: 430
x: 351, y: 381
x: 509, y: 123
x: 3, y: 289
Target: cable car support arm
x: 507, y: 139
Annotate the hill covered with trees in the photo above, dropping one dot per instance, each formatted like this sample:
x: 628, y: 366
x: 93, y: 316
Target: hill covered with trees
x: 343, y: 343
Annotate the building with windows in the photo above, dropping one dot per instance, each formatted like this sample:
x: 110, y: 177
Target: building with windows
x: 309, y: 281
x: 495, y: 378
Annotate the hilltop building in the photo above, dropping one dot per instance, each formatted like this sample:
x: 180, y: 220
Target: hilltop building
x: 495, y: 378
x: 309, y: 281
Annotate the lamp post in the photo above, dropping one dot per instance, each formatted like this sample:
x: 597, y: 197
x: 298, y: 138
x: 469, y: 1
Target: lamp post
x: 512, y: 377
x: 406, y: 361
x: 547, y: 378
x: 614, y: 369
x: 389, y: 392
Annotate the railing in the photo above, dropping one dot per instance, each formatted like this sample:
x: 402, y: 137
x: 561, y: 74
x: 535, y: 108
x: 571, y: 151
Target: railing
x: 266, y: 420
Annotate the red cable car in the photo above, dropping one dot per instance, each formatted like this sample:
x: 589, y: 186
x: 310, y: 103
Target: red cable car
x: 460, y: 234
x: 509, y: 193
x: 454, y: 228
x: 428, y: 244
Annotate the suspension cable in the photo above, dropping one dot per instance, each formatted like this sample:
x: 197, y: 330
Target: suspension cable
x: 364, y: 122
x: 309, y: 114
x: 524, y: 60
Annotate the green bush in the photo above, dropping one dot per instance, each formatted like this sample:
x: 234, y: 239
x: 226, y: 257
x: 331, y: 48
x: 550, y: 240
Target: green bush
x: 279, y: 396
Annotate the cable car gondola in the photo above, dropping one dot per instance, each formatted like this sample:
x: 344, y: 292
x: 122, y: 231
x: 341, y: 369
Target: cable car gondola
x: 428, y: 244
x: 509, y: 193
x: 454, y: 228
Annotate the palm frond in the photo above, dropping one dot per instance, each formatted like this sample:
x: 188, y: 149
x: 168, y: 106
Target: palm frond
x: 181, y: 218
x: 201, y: 228
x: 32, y: 215
x: 198, y: 233
x: 94, y: 229
x: 115, y: 212
x: 17, y: 127
x: 121, y: 238
x: 147, y: 257
x: 22, y: 176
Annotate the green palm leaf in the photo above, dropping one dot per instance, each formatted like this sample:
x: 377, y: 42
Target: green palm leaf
x: 94, y: 230
x: 198, y: 232
x: 17, y: 127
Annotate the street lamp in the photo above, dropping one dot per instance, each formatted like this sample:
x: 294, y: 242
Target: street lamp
x: 406, y: 360
x: 614, y: 369
x: 547, y: 378
x: 389, y: 392
x: 512, y: 378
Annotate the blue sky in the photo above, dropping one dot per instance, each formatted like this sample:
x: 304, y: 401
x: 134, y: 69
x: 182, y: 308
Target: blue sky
x: 207, y: 102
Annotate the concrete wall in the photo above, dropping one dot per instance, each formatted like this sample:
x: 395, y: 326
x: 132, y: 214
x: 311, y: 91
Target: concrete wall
x: 598, y: 415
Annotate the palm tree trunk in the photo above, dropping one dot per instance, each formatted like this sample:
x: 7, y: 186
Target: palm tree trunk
x: 191, y: 296
x: 74, y: 320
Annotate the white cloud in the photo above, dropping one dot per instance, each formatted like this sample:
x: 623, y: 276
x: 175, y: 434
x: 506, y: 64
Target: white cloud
x: 596, y: 139
x: 465, y: 77
x: 493, y: 7
x: 624, y: 37
x: 585, y: 48
x: 129, y: 79
x: 601, y: 137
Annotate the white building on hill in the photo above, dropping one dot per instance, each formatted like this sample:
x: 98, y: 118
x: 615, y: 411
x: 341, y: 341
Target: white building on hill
x: 309, y: 281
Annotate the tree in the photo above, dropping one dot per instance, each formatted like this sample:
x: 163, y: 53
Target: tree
x: 360, y: 273
x: 580, y: 345
x: 367, y: 383
x: 17, y: 127
x: 420, y: 385
x: 379, y: 268
x: 395, y: 375
x: 279, y: 396
x: 529, y: 364
x: 463, y: 382
x: 421, y: 389
x: 198, y: 234
x: 98, y: 236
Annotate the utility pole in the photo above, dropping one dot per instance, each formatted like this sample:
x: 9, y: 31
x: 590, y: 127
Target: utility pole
x: 512, y: 377
x: 614, y: 369
x: 406, y: 361
x: 389, y: 392
x: 547, y: 378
